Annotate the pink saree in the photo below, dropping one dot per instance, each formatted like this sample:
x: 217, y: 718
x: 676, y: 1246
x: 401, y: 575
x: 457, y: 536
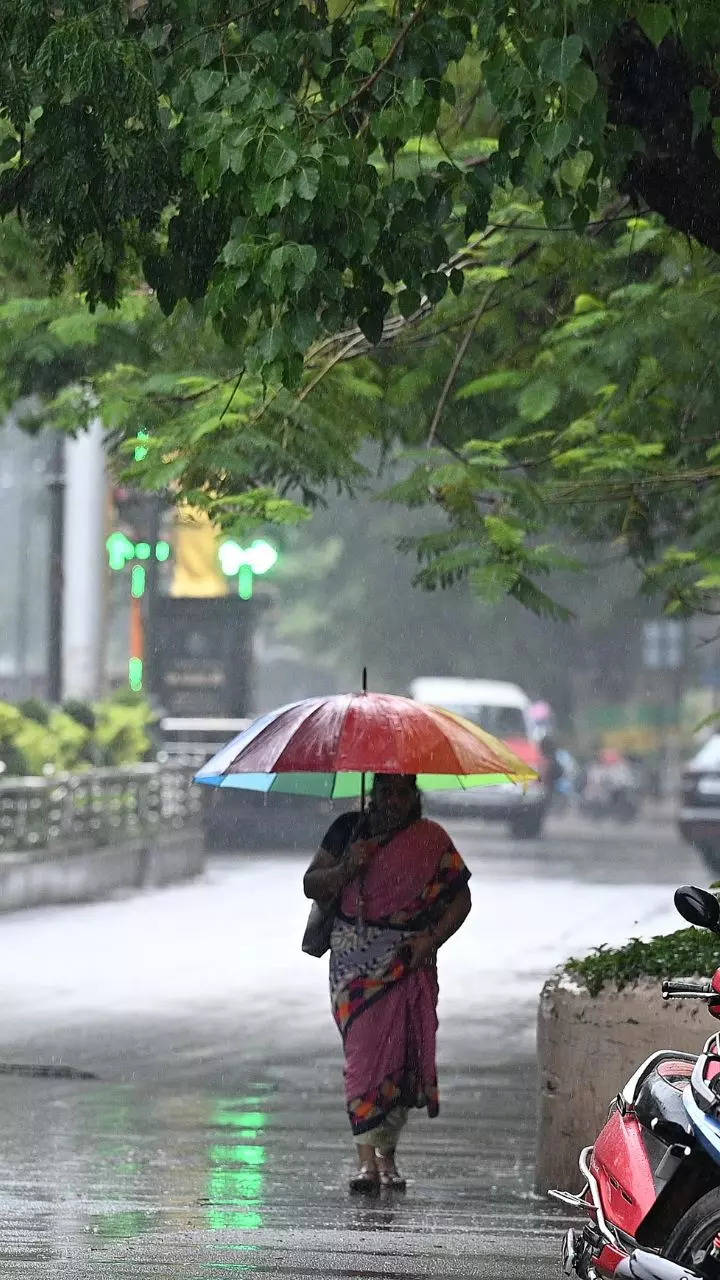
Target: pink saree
x: 385, y: 1013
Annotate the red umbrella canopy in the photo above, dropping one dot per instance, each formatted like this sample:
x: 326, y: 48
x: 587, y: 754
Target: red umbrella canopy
x: 366, y: 733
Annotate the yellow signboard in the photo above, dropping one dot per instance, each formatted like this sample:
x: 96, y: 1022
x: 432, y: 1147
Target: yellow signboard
x: 197, y: 569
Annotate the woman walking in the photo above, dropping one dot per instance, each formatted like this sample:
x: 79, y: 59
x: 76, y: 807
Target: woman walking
x: 401, y: 890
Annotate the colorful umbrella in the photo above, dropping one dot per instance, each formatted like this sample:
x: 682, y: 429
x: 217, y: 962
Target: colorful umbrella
x: 328, y: 747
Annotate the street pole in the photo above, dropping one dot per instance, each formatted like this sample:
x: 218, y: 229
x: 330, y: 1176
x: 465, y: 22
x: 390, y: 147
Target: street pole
x: 84, y: 561
x: 56, y: 490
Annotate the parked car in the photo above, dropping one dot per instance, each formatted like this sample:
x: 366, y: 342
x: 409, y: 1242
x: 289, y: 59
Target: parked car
x: 699, y: 817
x: 502, y: 709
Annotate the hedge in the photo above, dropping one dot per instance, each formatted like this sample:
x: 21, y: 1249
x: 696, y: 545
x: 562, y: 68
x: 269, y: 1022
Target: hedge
x: 674, y: 955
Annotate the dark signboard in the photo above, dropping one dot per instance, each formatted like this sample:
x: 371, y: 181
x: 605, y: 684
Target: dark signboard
x: 203, y: 655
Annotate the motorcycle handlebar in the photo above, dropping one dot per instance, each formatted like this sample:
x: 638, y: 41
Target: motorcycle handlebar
x: 687, y: 988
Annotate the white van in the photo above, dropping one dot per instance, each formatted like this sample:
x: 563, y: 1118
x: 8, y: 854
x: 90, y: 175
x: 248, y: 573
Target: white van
x: 502, y: 709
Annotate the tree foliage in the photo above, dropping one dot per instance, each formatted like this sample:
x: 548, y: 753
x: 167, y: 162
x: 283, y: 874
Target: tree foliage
x: 584, y: 413
x: 403, y: 220
x: 250, y: 154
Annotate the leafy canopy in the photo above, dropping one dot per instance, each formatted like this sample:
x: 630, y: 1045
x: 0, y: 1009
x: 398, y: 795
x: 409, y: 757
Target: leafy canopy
x: 250, y: 154
x: 345, y: 207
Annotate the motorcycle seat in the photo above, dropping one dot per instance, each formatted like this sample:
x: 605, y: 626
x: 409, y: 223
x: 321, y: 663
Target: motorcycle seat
x: 659, y: 1105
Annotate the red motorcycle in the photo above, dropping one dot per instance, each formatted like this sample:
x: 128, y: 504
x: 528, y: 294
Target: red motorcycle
x: 652, y: 1180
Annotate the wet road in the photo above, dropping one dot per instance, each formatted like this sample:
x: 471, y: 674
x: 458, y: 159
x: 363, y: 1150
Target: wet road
x: 213, y: 1141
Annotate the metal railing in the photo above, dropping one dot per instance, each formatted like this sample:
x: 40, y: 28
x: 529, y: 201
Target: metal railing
x: 99, y: 807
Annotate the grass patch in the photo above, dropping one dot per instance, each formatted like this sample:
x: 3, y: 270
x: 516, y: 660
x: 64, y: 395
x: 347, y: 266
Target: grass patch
x: 674, y: 955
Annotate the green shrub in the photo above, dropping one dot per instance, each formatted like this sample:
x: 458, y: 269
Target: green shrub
x: 35, y: 709
x: 674, y: 955
x: 81, y: 711
x: 10, y: 754
x: 35, y: 738
x: 60, y: 744
x: 122, y: 729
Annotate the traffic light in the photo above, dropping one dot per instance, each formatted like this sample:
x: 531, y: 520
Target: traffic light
x: 247, y: 562
x: 122, y: 551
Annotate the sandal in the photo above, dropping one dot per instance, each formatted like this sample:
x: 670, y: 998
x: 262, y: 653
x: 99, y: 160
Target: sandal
x: 389, y: 1177
x: 366, y: 1180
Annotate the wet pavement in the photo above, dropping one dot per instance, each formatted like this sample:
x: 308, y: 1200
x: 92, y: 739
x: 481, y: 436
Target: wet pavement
x: 213, y: 1141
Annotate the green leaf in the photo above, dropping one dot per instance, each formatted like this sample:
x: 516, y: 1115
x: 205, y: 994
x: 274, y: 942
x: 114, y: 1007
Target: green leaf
x: 575, y: 169
x: 553, y: 138
x: 272, y: 343
x: 583, y: 83
x: 656, y: 20
x: 303, y: 330
x: 487, y: 274
x: 272, y: 194
x: 278, y: 159
x: 233, y: 148
x: 305, y: 256
x: 414, y: 92
x: 363, y: 59
x: 371, y: 325
x: 307, y: 183
x: 409, y: 301
x: 559, y: 57
x: 700, y: 103
x: 9, y: 147
x: 502, y: 380
x: 586, y: 302
x: 206, y: 84
x: 537, y: 400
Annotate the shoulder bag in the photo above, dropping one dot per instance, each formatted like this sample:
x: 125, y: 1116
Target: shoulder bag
x: 320, y: 921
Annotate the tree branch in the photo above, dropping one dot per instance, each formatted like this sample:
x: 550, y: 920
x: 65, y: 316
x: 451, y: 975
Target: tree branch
x: 465, y: 343
x: 457, y: 361
x: 385, y: 62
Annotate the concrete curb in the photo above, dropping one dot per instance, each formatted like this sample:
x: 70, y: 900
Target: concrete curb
x: 588, y: 1047
x: 81, y: 875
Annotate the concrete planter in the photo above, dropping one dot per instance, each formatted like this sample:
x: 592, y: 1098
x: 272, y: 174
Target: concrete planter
x: 588, y: 1047
x: 80, y: 874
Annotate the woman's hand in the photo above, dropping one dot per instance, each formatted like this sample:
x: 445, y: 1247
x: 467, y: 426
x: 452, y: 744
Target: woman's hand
x: 420, y: 950
x: 359, y: 855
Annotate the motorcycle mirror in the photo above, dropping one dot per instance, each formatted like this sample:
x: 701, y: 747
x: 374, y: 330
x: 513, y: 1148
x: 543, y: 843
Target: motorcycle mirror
x: 698, y: 906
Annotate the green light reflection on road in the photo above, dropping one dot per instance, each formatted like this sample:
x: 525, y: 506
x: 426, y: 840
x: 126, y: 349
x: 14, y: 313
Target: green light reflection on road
x: 228, y: 1185
x: 241, y: 1119
x: 238, y: 1155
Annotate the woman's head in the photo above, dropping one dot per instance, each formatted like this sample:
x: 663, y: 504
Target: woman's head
x: 395, y: 798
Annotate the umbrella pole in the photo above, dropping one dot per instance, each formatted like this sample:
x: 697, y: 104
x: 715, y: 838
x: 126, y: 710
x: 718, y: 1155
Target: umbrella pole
x: 362, y: 775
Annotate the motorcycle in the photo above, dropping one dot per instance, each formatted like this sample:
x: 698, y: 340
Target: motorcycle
x: 611, y: 789
x: 652, y: 1180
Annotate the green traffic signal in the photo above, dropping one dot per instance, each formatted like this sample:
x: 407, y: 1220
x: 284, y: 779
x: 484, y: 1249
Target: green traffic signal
x: 259, y: 558
x: 121, y: 551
